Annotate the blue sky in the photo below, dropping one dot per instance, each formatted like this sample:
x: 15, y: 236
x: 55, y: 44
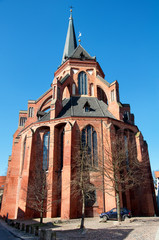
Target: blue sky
x: 123, y: 35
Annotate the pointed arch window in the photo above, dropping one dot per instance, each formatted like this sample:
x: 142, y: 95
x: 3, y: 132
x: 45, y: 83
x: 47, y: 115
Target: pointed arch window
x: 31, y: 111
x: 24, y: 150
x: 126, y: 151
x: 89, y: 140
x: 22, y: 121
x: 82, y: 83
x: 46, y: 141
x: 92, y: 89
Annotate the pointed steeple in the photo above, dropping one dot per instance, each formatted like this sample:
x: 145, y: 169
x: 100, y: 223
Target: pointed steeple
x: 71, y: 43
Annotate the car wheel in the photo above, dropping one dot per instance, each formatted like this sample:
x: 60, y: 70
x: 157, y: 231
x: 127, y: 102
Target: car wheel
x: 105, y: 218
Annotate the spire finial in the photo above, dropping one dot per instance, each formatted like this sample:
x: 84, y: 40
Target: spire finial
x: 71, y: 12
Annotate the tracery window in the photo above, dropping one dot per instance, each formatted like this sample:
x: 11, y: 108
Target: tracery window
x: 22, y: 121
x: 46, y: 141
x: 89, y: 140
x: 82, y: 83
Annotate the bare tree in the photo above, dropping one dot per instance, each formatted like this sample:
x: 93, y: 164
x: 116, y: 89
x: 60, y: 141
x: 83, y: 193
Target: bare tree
x: 120, y: 168
x: 39, y: 198
x: 81, y: 185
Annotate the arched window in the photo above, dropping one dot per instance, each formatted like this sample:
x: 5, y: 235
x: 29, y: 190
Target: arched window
x: 24, y: 150
x: 101, y: 95
x: 22, y: 121
x: 46, y: 141
x: 89, y: 140
x: 62, y: 144
x: 92, y: 89
x: 82, y: 83
x: 31, y: 112
x: 126, y: 151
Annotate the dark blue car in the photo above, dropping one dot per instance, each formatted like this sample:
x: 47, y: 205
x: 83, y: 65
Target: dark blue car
x: 112, y: 214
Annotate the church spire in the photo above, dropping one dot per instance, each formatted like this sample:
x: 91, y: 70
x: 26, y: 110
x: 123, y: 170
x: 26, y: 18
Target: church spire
x: 71, y: 42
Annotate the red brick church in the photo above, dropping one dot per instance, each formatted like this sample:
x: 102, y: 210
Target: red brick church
x: 79, y: 103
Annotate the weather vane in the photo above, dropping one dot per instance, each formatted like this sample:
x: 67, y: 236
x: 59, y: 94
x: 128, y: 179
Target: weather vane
x: 79, y: 37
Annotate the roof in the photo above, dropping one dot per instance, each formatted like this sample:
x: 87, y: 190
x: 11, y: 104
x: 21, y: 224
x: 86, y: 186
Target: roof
x: 75, y: 107
x: 70, y: 43
x: 156, y: 174
x: 81, y: 53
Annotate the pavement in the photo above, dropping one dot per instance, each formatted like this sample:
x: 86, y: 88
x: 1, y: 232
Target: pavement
x: 143, y: 228
x: 17, y: 234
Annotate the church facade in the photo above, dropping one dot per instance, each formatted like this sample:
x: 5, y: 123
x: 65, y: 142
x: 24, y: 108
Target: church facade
x: 79, y: 102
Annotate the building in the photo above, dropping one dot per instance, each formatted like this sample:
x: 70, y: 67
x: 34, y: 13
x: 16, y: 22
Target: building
x: 80, y: 101
x: 2, y: 184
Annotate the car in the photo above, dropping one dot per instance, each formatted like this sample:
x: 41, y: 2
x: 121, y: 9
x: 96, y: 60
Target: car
x: 112, y: 214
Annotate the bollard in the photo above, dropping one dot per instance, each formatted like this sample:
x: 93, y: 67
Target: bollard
x: 42, y: 234
x: 36, y: 231
x: 27, y: 228
x: 53, y: 235
x: 45, y: 234
x: 31, y: 229
x: 22, y: 227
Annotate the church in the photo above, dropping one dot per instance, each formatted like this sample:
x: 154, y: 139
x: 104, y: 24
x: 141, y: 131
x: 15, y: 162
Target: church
x: 80, y: 102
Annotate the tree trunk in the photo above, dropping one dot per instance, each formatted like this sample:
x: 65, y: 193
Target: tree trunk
x: 83, y: 210
x: 41, y: 217
x: 118, y: 207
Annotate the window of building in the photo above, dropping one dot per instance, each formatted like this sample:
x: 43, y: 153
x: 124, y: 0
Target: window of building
x: 112, y: 96
x: 62, y: 144
x: 101, y: 95
x: 126, y: 151
x: 89, y: 140
x: 22, y: 121
x: 126, y: 116
x: 58, y: 93
x: 82, y: 83
x: 31, y: 111
x: 87, y: 107
x: 73, y: 89
x: 24, y: 150
x: 92, y: 89
x: 54, y: 92
x: 46, y: 141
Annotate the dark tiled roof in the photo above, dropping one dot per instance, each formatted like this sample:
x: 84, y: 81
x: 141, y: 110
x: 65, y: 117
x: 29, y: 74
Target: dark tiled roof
x: 75, y: 106
x: 81, y: 53
x: 46, y: 117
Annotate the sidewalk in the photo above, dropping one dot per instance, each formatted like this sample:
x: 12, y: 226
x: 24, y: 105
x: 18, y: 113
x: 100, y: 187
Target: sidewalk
x: 17, y: 233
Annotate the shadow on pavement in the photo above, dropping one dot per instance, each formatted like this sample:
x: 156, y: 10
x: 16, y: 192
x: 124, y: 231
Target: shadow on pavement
x: 102, y: 234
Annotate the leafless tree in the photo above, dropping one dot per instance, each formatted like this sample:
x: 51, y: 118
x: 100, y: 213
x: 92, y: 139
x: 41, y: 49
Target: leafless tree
x: 38, y: 199
x: 82, y: 188
x: 120, y: 168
